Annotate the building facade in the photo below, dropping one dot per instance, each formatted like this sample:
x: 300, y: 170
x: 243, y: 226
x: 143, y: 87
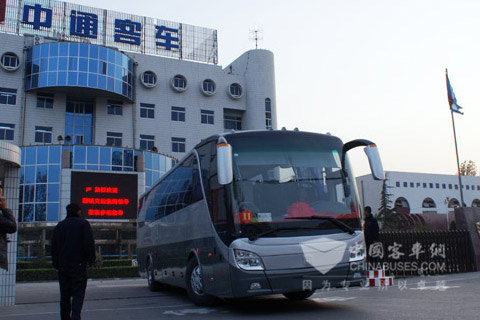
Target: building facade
x: 425, y: 193
x: 112, y: 99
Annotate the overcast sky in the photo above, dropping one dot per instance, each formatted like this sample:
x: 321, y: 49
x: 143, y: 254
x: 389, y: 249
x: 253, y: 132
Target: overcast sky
x: 358, y: 69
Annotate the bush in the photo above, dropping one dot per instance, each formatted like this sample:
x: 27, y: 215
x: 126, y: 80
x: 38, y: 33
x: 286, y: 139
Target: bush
x: 44, y: 274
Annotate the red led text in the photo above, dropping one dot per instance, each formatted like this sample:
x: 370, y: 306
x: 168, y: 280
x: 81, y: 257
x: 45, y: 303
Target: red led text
x: 106, y: 201
x: 101, y: 189
x: 96, y: 212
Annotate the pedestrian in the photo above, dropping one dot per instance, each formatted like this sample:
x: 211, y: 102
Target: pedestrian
x: 73, y: 250
x: 370, y: 228
x: 8, y: 224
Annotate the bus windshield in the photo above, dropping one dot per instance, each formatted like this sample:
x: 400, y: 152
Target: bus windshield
x: 289, y: 183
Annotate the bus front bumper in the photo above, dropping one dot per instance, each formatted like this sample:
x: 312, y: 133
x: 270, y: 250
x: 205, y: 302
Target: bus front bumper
x: 252, y: 283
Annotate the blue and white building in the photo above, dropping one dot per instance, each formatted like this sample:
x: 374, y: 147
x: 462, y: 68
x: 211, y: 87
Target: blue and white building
x: 85, y: 89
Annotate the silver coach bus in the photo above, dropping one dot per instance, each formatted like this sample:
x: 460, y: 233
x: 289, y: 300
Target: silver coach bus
x: 255, y: 213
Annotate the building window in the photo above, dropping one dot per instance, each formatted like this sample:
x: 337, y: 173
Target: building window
x: 178, y: 114
x: 478, y: 188
x: 418, y: 184
x: 147, y: 110
x: 8, y: 96
x: 207, y: 116
x: 179, y: 83
x: 10, y: 61
x: 437, y: 185
x: 115, y: 107
x: 456, y: 187
x: 450, y: 186
x: 147, y: 142
x: 235, y: 90
x: 428, y: 203
x: 444, y: 186
x: 178, y: 144
x: 268, y: 113
x: 114, y: 139
x: 232, y: 122
x: 43, y: 134
x: 412, y: 185
x: 473, y: 187
x: 425, y: 185
x: 405, y: 184
x: 208, y: 87
x: 397, y: 184
x: 7, y: 131
x: 45, y: 100
x: 453, y: 203
x: 149, y: 79
x: 79, y: 122
x: 468, y: 187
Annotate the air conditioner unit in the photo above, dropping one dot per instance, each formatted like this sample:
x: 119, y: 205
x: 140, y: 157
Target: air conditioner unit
x: 37, y: 40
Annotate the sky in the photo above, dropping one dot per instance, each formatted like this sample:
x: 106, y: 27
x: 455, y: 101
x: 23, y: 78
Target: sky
x: 372, y: 69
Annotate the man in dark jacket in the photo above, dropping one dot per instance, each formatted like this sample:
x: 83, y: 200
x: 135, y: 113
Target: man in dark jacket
x: 73, y: 250
x: 370, y: 228
x: 8, y: 224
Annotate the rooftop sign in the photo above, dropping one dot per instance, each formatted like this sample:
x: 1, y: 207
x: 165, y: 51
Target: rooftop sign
x: 71, y: 22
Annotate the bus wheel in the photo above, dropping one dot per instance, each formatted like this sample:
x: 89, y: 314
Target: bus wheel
x: 299, y: 295
x: 152, y: 284
x: 194, y: 285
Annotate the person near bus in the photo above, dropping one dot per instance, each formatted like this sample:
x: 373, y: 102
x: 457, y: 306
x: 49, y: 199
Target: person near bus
x: 8, y: 224
x: 73, y: 250
x: 371, y: 229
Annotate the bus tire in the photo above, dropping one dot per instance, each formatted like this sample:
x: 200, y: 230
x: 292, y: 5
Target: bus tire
x: 299, y: 295
x: 194, y: 285
x: 152, y: 284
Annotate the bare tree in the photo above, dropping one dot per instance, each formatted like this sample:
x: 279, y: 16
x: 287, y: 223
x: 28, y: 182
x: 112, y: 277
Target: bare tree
x: 468, y: 168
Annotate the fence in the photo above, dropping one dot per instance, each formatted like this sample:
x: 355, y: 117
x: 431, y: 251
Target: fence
x: 404, y: 253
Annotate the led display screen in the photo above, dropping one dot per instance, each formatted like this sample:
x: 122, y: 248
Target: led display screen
x: 106, y: 196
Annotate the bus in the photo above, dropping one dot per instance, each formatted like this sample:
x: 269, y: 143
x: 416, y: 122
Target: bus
x: 256, y: 213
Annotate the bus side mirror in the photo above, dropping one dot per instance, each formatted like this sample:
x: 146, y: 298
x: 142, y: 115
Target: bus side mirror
x: 375, y: 163
x: 224, y: 163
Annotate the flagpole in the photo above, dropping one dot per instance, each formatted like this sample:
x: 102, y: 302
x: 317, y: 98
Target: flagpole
x: 458, y: 163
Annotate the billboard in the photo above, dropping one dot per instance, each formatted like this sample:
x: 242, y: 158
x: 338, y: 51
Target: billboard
x: 105, y: 196
x: 127, y: 32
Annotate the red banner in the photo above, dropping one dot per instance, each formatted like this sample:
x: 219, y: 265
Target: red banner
x: 3, y: 9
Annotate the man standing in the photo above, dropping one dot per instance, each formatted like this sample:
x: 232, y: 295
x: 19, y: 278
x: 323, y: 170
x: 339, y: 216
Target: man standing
x: 7, y: 225
x: 370, y: 228
x: 73, y: 250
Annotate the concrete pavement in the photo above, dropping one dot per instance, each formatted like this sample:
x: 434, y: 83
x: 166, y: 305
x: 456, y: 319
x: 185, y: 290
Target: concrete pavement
x: 437, y: 297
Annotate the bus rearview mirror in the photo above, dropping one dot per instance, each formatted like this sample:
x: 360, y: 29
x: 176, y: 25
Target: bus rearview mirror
x: 375, y: 163
x: 224, y: 163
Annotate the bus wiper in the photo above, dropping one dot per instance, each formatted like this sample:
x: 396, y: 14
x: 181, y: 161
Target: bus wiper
x: 335, y: 221
x: 255, y: 236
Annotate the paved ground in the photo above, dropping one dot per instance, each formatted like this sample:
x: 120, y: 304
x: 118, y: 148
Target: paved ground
x: 439, y: 297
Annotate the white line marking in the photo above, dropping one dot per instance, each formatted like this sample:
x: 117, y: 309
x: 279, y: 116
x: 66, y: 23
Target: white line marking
x: 332, y: 299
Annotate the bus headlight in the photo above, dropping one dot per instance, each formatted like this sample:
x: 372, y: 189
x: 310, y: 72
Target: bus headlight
x: 247, y: 260
x: 357, y: 252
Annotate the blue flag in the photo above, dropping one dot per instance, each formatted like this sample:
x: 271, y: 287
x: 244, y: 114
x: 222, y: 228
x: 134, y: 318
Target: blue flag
x: 452, y: 100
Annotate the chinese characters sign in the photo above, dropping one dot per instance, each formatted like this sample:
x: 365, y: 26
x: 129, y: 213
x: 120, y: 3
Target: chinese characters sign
x: 105, y: 195
x: 127, y: 32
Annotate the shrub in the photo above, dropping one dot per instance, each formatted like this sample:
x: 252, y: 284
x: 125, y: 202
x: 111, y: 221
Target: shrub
x: 45, y: 274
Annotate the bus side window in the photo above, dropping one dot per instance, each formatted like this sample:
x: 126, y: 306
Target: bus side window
x: 205, y: 154
x: 197, y: 188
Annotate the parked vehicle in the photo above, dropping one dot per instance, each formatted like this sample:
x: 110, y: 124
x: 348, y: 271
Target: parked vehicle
x: 255, y: 213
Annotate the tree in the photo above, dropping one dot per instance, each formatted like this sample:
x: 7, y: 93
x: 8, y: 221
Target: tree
x: 468, y: 168
x: 385, y: 198
x: 386, y: 215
